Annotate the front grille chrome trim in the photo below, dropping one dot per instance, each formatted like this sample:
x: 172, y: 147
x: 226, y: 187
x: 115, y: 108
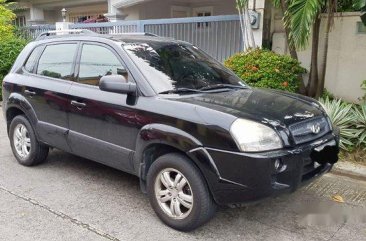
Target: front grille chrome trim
x: 309, y: 130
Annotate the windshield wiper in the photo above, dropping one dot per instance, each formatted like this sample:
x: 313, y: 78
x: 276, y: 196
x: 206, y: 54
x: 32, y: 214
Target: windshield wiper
x: 204, y: 89
x: 223, y: 86
x: 180, y: 90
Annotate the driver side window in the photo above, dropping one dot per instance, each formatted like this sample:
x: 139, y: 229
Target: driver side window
x: 97, y: 61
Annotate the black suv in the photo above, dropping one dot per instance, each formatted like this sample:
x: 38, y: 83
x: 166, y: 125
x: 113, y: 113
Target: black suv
x: 163, y: 110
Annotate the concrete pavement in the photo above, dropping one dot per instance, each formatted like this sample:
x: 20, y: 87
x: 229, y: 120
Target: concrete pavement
x: 70, y: 198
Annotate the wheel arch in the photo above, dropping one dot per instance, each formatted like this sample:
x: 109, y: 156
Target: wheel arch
x: 155, y: 140
x: 159, y: 136
x: 18, y: 105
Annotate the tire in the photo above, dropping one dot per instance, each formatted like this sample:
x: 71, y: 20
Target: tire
x: 34, y: 152
x: 202, y: 207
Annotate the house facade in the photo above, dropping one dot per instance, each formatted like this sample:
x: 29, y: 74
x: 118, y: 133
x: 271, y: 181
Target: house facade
x: 37, y: 12
x: 153, y: 9
x: 219, y: 35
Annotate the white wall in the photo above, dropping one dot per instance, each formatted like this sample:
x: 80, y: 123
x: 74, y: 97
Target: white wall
x: 162, y: 8
x: 346, y: 67
x: 132, y: 13
x: 347, y: 58
x: 158, y: 9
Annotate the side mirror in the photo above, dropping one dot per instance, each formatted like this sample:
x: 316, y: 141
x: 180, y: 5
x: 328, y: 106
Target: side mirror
x: 117, y: 84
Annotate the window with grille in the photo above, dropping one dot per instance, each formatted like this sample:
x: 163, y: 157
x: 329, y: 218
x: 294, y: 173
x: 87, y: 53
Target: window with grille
x: 20, y: 21
x: 203, y: 12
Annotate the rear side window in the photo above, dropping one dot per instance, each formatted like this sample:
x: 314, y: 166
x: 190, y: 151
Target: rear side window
x: 32, y: 60
x: 97, y: 61
x: 57, y: 61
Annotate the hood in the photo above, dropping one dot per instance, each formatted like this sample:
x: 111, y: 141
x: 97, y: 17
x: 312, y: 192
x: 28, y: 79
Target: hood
x: 263, y: 105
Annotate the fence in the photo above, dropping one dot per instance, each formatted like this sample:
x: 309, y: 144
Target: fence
x: 219, y: 36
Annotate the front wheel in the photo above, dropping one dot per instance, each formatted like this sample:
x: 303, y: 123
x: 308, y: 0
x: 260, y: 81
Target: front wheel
x: 178, y: 193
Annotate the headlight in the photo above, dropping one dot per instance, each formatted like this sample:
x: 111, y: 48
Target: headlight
x: 253, y: 137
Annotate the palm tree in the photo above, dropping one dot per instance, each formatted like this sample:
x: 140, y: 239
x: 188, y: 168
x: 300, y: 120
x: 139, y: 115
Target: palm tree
x: 360, y: 4
x: 283, y: 4
x: 303, y: 17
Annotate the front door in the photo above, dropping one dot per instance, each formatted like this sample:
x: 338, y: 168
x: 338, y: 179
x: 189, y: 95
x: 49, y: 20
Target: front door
x: 103, y: 127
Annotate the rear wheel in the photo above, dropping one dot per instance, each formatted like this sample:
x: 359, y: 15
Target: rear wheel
x: 26, y: 148
x: 178, y: 193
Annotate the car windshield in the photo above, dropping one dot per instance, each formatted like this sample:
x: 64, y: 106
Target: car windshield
x: 174, y: 66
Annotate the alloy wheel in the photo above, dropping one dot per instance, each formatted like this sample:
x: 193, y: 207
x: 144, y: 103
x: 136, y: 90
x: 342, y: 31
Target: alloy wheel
x: 22, y: 141
x: 173, y: 193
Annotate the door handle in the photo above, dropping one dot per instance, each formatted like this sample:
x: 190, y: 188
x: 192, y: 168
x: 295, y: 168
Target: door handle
x: 78, y: 105
x: 29, y: 92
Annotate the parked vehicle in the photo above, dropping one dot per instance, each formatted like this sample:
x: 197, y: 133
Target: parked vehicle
x: 163, y: 110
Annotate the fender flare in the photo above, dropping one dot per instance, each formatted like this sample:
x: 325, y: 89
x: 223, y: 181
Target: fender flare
x: 178, y: 139
x: 18, y: 101
x: 162, y: 134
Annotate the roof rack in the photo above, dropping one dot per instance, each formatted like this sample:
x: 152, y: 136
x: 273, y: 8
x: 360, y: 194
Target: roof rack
x: 138, y: 34
x: 44, y: 35
x: 58, y: 33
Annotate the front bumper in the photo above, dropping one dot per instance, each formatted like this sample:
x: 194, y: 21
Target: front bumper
x: 241, y: 177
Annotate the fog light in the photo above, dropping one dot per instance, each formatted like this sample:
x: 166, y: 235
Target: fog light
x: 278, y: 164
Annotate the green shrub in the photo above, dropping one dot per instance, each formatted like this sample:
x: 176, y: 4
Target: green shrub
x: 327, y: 94
x: 264, y: 68
x: 9, y: 50
x: 363, y: 86
x: 350, y: 119
x: 6, y: 18
x: 360, y: 124
x: 342, y: 115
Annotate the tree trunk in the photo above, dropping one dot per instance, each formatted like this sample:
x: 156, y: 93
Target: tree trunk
x: 291, y: 47
x: 242, y: 27
x: 323, y: 64
x: 313, y: 78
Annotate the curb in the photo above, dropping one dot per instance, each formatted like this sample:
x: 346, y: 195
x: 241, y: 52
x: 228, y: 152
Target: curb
x: 349, y: 169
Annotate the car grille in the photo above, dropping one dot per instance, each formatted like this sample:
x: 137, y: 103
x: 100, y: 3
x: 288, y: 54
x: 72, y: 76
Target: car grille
x: 309, y: 130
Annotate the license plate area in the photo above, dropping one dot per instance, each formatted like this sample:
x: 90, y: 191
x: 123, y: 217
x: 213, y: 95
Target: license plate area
x: 325, y: 153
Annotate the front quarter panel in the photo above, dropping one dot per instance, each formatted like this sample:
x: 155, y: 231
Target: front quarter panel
x: 163, y: 134
x: 178, y: 139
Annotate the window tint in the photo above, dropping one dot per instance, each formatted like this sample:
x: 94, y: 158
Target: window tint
x: 96, y: 62
x: 56, y: 61
x: 29, y: 65
x: 170, y: 66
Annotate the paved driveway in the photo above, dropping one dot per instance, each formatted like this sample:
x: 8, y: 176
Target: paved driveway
x: 70, y: 198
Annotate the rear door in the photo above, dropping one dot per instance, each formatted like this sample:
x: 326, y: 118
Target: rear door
x: 49, y: 72
x: 103, y: 127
